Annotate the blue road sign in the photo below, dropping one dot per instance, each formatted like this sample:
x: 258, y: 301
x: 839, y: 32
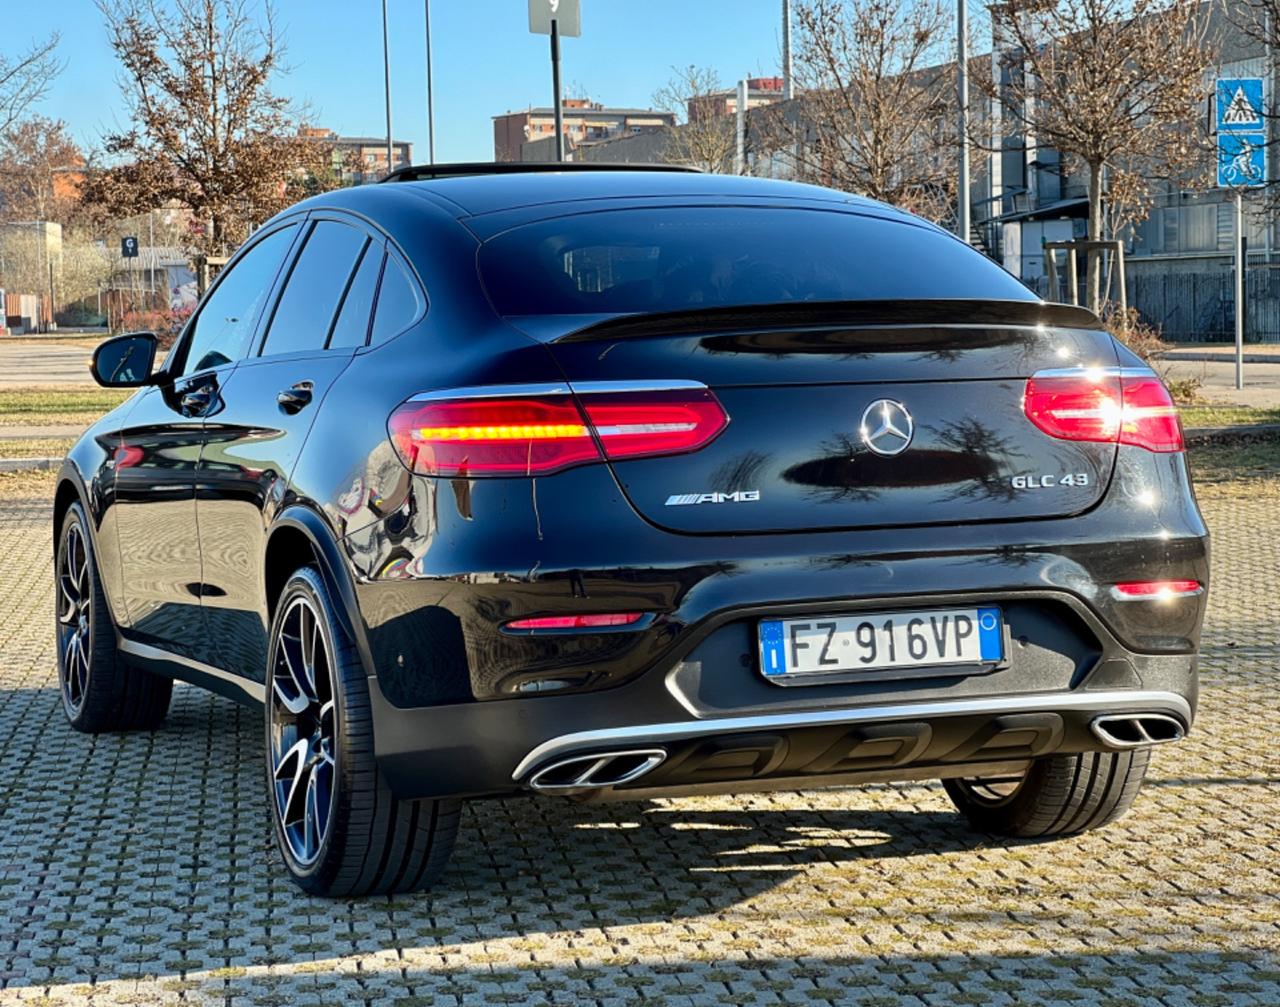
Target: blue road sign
x: 1242, y: 160
x: 1241, y: 129
x: 1238, y: 101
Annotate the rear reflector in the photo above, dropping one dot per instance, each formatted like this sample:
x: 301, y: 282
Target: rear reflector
x: 1117, y: 405
x: 1155, y: 590
x: 540, y: 433
x: 577, y: 621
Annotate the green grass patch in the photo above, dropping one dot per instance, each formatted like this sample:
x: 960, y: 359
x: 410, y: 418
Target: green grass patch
x: 1226, y: 416
x: 1252, y: 468
x: 45, y: 406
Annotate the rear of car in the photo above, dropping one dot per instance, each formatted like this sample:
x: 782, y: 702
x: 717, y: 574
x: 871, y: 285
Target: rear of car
x: 805, y: 493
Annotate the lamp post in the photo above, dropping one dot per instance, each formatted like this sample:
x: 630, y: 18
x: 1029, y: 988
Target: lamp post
x: 386, y: 80
x: 431, y: 112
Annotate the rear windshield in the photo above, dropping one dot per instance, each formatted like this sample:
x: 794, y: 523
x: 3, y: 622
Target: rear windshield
x: 680, y: 258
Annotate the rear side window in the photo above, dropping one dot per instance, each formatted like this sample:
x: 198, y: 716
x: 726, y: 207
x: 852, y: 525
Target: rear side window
x: 681, y: 258
x: 315, y: 285
x: 352, y: 326
x: 221, y: 332
x: 398, y: 302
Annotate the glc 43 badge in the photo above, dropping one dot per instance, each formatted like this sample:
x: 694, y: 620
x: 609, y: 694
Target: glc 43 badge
x: 1044, y: 482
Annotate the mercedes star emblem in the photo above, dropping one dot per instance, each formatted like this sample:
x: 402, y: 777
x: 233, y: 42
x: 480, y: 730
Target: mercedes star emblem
x: 886, y: 427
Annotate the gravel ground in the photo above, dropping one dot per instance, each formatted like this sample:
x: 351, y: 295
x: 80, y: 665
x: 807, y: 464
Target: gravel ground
x: 139, y: 869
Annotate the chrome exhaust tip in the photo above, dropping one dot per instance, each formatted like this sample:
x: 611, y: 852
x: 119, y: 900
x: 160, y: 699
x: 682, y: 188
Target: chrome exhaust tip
x: 600, y: 769
x: 1136, y: 730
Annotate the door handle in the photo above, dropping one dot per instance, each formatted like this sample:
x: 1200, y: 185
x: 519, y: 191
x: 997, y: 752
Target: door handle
x: 196, y: 401
x: 296, y: 397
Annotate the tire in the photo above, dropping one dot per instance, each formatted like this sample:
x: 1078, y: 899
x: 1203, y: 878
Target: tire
x: 100, y: 691
x: 340, y: 830
x: 1057, y: 795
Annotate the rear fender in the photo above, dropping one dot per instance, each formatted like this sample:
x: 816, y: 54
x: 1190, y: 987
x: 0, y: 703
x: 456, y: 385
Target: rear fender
x: 333, y: 571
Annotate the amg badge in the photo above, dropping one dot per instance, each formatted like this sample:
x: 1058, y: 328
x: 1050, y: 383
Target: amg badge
x: 741, y: 496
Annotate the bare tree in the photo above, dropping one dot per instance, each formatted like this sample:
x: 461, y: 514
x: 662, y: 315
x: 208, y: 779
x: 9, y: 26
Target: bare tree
x: 1117, y: 85
x: 207, y: 129
x: 705, y: 137
x: 35, y: 181
x: 874, y: 117
x: 25, y: 77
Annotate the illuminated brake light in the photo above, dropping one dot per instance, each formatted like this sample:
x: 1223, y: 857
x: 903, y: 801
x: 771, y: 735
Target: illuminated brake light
x: 577, y: 621
x: 1156, y: 590
x: 1104, y: 405
x: 482, y: 432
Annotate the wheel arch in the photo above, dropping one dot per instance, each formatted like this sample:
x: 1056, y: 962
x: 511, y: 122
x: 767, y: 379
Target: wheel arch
x: 300, y: 536
x: 70, y: 490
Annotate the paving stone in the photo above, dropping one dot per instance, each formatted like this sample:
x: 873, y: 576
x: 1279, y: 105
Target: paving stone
x: 138, y: 869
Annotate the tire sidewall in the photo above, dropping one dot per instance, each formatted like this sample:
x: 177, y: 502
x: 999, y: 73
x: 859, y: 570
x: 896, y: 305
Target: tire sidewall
x: 307, y: 583
x: 99, y: 621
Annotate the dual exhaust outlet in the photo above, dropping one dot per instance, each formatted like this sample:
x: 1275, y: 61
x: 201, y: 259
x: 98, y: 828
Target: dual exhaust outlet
x: 600, y: 769
x: 1135, y: 730
x: 613, y: 769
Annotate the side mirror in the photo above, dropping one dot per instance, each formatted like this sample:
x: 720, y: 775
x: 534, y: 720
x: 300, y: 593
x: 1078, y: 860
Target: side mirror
x: 125, y: 361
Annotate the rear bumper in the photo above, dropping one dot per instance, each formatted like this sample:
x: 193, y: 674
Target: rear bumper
x: 796, y: 737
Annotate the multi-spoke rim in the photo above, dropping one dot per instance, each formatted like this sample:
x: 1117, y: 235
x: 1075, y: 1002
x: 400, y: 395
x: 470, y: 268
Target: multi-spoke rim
x: 303, y: 734
x: 75, y: 618
x: 995, y: 790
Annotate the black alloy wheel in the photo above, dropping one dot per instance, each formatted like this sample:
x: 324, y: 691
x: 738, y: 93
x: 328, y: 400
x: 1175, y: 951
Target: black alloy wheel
x: 303, y: 737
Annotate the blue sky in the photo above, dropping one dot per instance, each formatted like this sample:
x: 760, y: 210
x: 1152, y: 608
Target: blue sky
x: 486, y: 61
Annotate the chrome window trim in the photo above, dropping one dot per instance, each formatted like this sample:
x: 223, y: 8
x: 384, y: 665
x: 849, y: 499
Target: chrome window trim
x: 557, y: 388
x: 1102, y: 372
x: 1116, y: 701
x: 600, y: 387
x: 492, y: 392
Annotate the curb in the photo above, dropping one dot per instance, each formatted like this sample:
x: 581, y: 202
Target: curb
x: 1174, y: 356
x: 1203, y: 436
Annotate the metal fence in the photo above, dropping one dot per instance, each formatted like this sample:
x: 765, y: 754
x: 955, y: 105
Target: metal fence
x: 1200, y: 307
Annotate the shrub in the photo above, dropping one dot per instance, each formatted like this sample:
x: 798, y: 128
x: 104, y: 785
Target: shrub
x: 166, y: 323
x: 1144, y: 340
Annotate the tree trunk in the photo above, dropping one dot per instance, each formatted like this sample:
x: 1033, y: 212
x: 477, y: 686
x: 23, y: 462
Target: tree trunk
x: 1093, y: 295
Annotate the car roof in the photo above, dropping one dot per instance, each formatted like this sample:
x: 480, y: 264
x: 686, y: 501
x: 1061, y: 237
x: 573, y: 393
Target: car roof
x: 478, y: 194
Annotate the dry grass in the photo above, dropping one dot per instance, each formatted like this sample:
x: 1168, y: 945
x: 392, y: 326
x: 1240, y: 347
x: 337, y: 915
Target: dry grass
x: 29, y: 484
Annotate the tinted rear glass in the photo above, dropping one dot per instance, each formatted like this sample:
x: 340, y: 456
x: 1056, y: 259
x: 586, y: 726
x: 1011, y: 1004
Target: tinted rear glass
x: 679, y: 258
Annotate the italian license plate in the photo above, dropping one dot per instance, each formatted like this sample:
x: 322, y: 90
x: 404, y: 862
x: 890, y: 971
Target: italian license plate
x: 878, y: 641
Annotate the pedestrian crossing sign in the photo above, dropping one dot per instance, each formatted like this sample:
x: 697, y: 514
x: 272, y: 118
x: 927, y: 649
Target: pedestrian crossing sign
x: 1239, y: 105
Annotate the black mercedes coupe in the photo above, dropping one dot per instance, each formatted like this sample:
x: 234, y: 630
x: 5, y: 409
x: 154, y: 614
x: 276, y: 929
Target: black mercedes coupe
x: 498, y: 480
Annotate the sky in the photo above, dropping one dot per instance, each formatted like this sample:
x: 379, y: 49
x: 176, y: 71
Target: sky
x: 485, y: 60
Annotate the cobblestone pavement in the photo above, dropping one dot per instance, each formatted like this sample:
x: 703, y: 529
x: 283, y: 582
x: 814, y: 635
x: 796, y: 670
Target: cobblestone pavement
x: 139, y: 869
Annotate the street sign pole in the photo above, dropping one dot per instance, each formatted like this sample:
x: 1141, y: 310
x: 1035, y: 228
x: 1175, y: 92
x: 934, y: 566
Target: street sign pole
x: 431, y: 109
x: 1242, y: 164
x: 740, y: 131
x: 556, y: 18
x: 1240, y: 307
x: 386, y: 82
x: 555, y: 87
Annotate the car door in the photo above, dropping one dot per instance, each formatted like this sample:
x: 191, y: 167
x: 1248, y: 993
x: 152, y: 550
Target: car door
x: 159, y: 449
x: 319, y: 320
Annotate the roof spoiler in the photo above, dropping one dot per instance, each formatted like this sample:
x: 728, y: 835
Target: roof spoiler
x: 836, y: 313
x: 425, y: 172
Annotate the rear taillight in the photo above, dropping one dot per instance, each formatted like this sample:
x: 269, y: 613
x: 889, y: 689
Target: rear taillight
x: 1116, y: 405
x: 487, y: 433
